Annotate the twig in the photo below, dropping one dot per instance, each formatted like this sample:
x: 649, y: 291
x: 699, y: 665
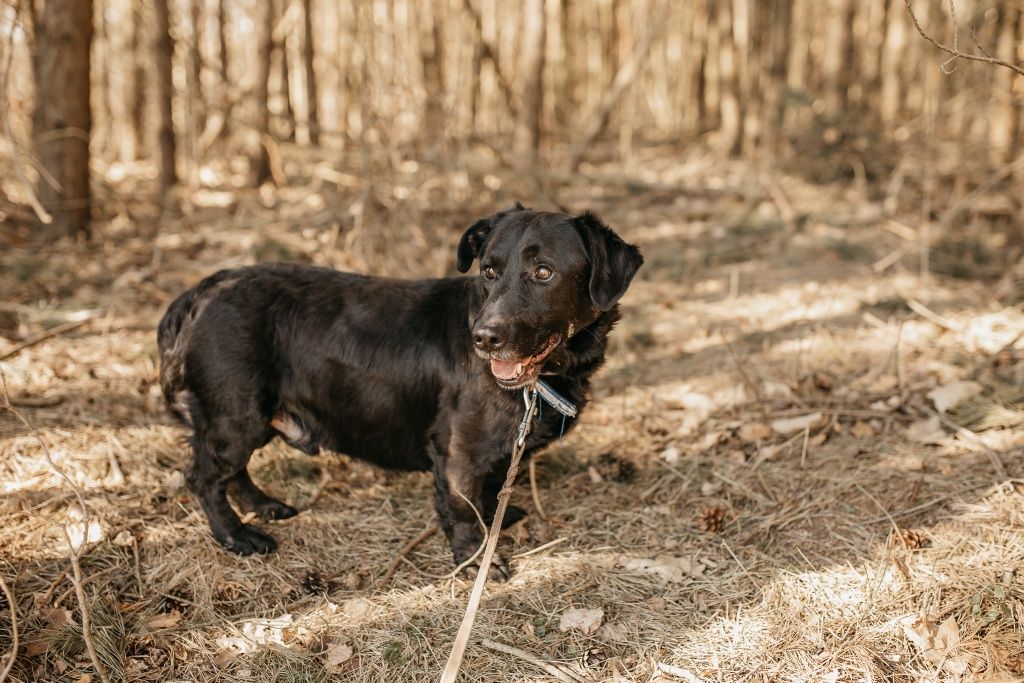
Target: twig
x: 14, y: 630
x: 930, y: 315
x: 533, y: 490
x: 540, y: 548
x: 429, y: 531
x: 451, y: 669
x: 45, y: 334
x: 83, y: 606
x: 558, y: 672
x: 955, y: 50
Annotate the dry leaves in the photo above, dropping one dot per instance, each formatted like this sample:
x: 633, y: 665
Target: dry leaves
x: 338, y: 653
x: 951, y: 395
x: 668, y: 568
x: 937, y: 642
x: 928, y: 432
x: 586, y: 621
x: 787, y: 426
x: 169, y: 620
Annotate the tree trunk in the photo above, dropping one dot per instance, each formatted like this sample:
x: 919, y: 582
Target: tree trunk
x: 225, y: 77
x: 432, y: 58
x: 312, y: 110
x: 164, y: 49
x: 139, y: 90
x: 265, y: 43
x: 62, y: 121
x: 527, y: 135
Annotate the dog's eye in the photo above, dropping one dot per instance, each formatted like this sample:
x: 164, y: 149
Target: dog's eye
x: 543, y: 273
x: 490, y: 273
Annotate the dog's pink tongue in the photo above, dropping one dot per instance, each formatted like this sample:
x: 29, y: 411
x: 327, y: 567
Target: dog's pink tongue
x: 504, y: 369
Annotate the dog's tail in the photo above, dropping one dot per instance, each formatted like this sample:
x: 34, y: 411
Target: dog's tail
x: 171, y: 341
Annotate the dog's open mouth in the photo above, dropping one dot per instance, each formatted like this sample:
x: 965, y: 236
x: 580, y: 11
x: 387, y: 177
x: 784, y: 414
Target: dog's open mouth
x: 515, y: 373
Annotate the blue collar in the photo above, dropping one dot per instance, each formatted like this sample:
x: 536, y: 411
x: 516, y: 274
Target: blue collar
x: 555, y: 400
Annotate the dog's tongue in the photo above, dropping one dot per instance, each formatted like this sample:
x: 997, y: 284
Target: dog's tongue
x: 506, y: 369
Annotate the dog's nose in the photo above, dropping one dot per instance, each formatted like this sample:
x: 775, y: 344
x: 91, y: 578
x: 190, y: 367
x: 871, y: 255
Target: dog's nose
x: 488, y: 338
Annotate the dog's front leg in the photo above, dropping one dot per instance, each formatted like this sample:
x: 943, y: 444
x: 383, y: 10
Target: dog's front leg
x: 459, y: 486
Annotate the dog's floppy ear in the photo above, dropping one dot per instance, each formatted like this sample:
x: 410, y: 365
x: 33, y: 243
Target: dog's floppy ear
x: 613, y: 262
x: 475, y: 238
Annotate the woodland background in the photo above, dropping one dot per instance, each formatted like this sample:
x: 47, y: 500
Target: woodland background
x: 802, y: 460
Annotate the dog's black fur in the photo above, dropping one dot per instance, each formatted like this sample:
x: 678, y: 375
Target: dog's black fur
x: 395, y: 372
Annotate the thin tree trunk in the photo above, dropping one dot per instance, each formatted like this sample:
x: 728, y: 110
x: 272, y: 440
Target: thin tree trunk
x: 225, y: 71
x: 62, y: 120
x: 164, y: 51
x: 432, y: 58
x: 139, y: 89
x: 265, y: 49
x: 312, y: 108
x: 527, y: 135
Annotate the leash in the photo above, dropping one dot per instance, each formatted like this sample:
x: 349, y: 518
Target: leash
x: 451, y: 669
x: 532, y: 396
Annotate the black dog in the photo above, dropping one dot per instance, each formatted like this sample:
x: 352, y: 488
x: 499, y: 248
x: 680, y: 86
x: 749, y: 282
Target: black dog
x: 406, y: 374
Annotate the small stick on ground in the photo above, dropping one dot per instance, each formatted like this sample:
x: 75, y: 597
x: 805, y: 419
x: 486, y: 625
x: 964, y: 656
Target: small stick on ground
x: 930, y: 315
x: 44, y: 335
x: 83, y: 606
x: 429, y: 531
x: 533, y: 490
x: 14, y: 630
x: 558, y: 672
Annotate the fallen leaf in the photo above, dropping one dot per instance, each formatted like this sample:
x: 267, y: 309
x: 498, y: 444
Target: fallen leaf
x: 124, y: 538
x: 791, y: 425
x: 861, y: 430
x: 756, y: 431
x: 338, y: 654
x: 55, y: 617
x: 671, y: 455
x: 935, y: 641
x: 668, y: 568
x: 168, y: 620
x: 82, y: 532
x: 953, y: 394
x: 927, y: 431
x: 586, y: 621
x: 710, y: 488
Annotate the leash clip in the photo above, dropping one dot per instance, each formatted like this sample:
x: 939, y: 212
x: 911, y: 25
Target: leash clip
x: 530, y: 401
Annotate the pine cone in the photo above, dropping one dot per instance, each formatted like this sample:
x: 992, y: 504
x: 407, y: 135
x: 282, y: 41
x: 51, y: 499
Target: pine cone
x: 909, y: 539
x: 711, y: 519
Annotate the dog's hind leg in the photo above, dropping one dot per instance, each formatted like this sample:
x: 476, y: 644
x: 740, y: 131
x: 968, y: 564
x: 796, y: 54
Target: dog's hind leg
x: 250, y: 498
x: 217, y: 461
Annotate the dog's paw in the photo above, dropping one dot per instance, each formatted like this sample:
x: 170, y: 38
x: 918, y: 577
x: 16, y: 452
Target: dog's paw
x: 248, y: 540
x: 499, y: 570
x: 275, y: 510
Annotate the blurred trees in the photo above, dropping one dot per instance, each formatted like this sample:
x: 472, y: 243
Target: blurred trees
x: 180, y: 85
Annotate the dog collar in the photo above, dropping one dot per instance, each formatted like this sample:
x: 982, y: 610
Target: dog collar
x: 555, y: 399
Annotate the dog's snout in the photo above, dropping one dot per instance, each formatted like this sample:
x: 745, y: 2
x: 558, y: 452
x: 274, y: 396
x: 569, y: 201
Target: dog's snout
x: 489, y: 337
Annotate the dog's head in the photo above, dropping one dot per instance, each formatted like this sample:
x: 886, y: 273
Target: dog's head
x: 543, y: 277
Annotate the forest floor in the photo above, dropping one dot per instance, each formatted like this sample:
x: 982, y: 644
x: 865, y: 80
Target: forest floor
x: 802, y: 462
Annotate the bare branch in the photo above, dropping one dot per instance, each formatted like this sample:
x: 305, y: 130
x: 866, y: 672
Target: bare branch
x: 14, y: 630
x: 955, y: 50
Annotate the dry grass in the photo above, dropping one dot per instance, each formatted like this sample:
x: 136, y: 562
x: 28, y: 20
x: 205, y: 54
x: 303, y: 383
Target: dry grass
x: 740, y: 319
